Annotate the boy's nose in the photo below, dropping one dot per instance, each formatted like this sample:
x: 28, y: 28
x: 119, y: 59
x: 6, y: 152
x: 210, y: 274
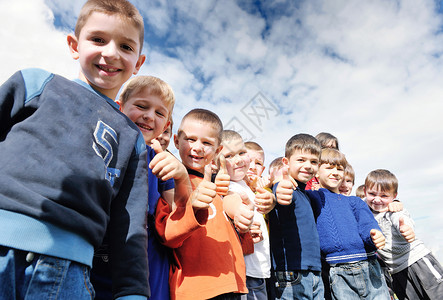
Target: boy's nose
x: 110, y: 50
x: 148, y: 115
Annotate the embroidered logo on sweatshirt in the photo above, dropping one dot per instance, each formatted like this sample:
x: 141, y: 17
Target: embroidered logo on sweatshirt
x: 105, y: 145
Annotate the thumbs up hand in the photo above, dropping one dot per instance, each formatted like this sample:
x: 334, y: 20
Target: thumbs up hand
x: 164, y: 165
x: 222, y: 179
x: 406, y: 231
x: 378, y: 238
x: 285, y: 188
x: 264, y: 201
x: 243, y: 218
x: 205, y: 192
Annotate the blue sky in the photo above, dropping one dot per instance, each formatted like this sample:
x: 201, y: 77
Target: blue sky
x: 369, y: 72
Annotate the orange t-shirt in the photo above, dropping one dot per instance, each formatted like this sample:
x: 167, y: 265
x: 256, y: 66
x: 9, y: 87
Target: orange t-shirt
x: 207, y: 251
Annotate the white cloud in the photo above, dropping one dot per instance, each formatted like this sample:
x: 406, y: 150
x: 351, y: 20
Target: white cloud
x: 29, y: 39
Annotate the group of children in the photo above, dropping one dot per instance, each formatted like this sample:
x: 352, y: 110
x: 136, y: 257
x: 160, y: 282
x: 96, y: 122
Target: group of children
x: 90, y: 193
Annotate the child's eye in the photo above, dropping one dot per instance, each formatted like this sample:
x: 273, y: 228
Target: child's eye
x: 97, y: 40
x: 127, y: 48
x: 140, y: 106
x: 228, y: 156
x: 207, y: 143
x: 160, y: 113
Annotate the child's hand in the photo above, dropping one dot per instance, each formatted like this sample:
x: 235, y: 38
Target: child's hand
x: 395, y: 206
x: 205, y: 192
x: 256, y: 233
x: 264, y: 182
x: 245, y: 214
x: 222, y: 179
x: 378, y: 238
x: 252, y: 183
x: 285, y: 188
x: 406, y: 231
x: 165, y: 166
x: 264, y: 201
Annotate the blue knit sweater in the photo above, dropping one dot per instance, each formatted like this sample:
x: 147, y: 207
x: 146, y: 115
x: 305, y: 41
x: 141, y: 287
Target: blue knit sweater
x: 344, y: 224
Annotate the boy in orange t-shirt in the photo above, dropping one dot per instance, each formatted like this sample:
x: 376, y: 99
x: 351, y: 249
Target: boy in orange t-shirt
x: 208, y: 256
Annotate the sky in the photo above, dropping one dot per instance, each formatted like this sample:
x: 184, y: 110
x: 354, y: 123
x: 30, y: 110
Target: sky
x: 369, y: 72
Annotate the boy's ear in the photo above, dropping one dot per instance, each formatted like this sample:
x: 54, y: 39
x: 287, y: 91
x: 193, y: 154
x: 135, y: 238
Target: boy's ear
x: 218, y: 150
x: 285, y: 161
x: 73, y: 45
x: 138, y: 65
x: 176, y: 141
x: 120, y: 104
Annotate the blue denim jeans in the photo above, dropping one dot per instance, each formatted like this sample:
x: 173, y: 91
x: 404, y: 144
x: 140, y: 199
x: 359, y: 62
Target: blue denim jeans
x: 358, y: 280
x: 24, y: 275
x: 256, y: 288
x: 299, y: 285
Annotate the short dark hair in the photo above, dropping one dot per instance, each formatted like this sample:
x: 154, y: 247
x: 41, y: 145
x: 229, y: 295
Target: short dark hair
x: 303, y: 142
x: 327, y: 140
x: 205, y: 116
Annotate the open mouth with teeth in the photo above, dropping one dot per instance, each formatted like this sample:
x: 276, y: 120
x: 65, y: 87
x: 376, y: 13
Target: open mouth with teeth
x: 108, y: 69
x: 144, y: 127
x: 195, y: 157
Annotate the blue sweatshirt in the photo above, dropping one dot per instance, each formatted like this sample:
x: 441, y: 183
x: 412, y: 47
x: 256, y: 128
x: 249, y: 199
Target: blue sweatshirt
x: 72, y: 167
x: 293, y: 234
x: 344, y: 224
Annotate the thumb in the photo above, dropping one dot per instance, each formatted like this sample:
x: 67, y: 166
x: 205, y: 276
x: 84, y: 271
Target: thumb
x: 245, y: 199
x: 155, y: 144
x: 208, y: 172
x: 261, y: 190
x: 222, y: 161
x: 401, y: 222
x: 373, y: 232
x: 285, y: 173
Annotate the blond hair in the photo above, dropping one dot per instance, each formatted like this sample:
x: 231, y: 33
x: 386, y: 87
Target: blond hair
x: 153, y: 86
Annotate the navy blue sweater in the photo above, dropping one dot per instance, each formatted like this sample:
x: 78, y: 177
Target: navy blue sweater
x: 72, y: 167
x: 293, y: 234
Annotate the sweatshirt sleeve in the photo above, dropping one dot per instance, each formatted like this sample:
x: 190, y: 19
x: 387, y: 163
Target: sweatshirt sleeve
x: 128, y: 234
x: 176, y: 226
x: 16, y: 92
x: 365, y: 219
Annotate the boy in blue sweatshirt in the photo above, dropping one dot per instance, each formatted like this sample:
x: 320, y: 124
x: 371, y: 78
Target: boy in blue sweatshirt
x: 349, y: 235
x: 74, y: 167
x: 149, y: 101
x: 295, y: 247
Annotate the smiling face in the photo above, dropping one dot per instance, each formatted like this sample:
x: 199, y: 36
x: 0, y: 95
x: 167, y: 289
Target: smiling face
x: 330, y: 176
x: 377, y: 199
x: 165, y: 137
x: 302, y: 165
x: 346, y: 186
x: 108, y: 49
x: 257, y: 164
x: 148, y: 112
x: 197, y: 143
x: 237, y: 159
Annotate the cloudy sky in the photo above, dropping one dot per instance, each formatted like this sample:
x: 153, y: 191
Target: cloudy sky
x: 369, y: 72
